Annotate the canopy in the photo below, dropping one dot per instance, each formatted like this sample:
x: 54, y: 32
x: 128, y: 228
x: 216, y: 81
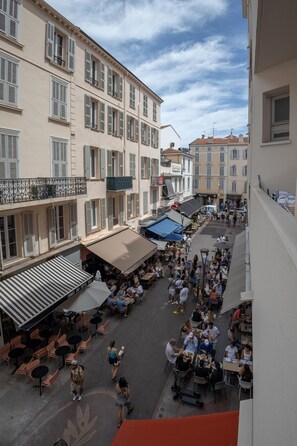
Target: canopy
x: 211, y: 430
x: 126, y: 250
x: 236, y: 276
x: 30, y: 296
x: 164, y: 227
x: 189, y: 207
x: 160, y: 243
x: 91, y: 297
x: 178, y: 218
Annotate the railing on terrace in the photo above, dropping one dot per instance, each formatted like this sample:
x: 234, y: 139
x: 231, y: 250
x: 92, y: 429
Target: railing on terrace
x: 20, y: 190
x: 284, y: 199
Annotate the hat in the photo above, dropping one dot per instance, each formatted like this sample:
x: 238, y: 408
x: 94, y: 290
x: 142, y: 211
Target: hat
x: 74, y: 362
x: 191, y: 335
x: 206, y: 342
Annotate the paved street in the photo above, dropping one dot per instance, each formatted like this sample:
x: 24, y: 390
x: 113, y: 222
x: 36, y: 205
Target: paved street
x: 26, y: 418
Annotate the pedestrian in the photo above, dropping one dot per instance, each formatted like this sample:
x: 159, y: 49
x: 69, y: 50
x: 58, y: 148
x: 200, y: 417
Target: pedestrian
x: 112, y: 359
x: 123, y: 399
x: 183, y: 297
x: 77, y: 380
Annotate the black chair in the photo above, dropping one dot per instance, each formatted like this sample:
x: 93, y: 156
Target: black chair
x: 217, y: 387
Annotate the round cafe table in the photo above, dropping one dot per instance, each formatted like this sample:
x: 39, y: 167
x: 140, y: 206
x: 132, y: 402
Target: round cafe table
x: 62, y: 351
x: 95, y: 320
x: 38, y: 373
x: 74, y: 340
x: 15, y: 353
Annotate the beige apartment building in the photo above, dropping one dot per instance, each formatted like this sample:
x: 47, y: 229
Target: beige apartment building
x: 220, y: 169
x: 79, y: 139
x: 269, y: 419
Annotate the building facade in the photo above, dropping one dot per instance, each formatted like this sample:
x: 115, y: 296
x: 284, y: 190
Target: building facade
x: 79, y: 139
x: 170, y: 139
x: 220, y: 169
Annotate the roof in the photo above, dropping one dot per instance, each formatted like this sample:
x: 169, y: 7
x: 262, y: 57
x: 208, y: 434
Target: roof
x: 230, y: 139
x: 211, y: 430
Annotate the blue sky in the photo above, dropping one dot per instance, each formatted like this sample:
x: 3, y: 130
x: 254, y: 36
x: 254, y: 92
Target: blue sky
x: 192, y: 53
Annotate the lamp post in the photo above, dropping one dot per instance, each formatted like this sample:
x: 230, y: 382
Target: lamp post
x: 204, y: 255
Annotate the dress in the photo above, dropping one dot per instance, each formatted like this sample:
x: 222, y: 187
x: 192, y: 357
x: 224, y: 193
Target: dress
x: 122, y: 398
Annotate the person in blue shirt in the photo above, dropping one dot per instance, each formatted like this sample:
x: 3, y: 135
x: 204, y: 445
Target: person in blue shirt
x: 205, y: 347
x: 191, y: 343
x: 122, y: 306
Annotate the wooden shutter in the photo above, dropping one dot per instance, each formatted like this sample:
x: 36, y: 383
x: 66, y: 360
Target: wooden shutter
x: 49, y: 46
x: 103, y: 213
x: 70, y: 55
x: 157, y: 139
x: 102, y: 164
x: 63, y: 101
x: 109, y: 163
x: 120, y: 87
x: 109, y: 120
x: 142, y: 167
x: 88, y: 58
x: 152, y: 138
x: 121, y: 124
x: 136, y: 130
x: 87, y: 111
x: 109, y: 80
x: 110, y: 213
x: 121, y: 206
x: 148, y: 143
x: 121, y: 164
x: 29, y: 237
x: 129, y: 127
x: 142, y: 133
x: 128, y: 207
x: 88, y: 217
x: 87, y: 162
x: 52, y: 235
x: 73, y: 221
x: 137, y: 205
x: 102, y: 75
x: 102, y: 117
x: 148, y: 167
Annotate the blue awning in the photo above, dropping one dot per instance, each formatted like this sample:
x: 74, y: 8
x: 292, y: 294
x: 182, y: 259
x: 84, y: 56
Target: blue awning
x: 173, y: 237
x: 164, y: 227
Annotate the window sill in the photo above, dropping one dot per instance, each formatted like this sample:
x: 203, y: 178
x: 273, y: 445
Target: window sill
x: 94, y: 129
x: 59, y: 121
x: 54, y: 64
x: 276, y: 143
x: 11, y: 108
x: 11, y: 40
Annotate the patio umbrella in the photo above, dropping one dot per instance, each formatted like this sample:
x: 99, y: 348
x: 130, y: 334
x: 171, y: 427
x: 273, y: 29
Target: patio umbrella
x: 223, y: 245
x: 89, y: 298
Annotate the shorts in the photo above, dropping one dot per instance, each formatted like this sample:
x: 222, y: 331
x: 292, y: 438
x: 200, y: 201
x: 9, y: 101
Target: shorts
x: 113, y: 361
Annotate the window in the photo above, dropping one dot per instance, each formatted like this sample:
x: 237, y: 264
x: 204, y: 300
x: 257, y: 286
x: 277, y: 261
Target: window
x: 94, y: 162
x: 208, y: 183
x: 222, y: 157
x: 115, y: 163
x: 154, y: 167
x: 145, y: 134
x: 189, y: 165
x: 233, y: 186
x: 154, y: 138
x: 145, y: 202
x: 244, y: 171
x: 145, y: 105
x: 222, y: 171
x: 196, y: 184
x: 132, y: 96
x: 208, y: 157
x: 58, y: 99
x: 245, y: 154
x: 60, y: 48
x: 188, y: 187
x: 8, y: 79
x: 56, y: 225
x: 132, y: 159
x: 132, y: 129
x: 196, y: 169
x: 245, y: 187
x: 221, y: 184
x: 8, y: 154
x: 132, y: 206
x: 197, y: 157
x: 28, y: 233
x: 114, y: 84
x: 234, y: 154
x: 94, y: 214
x: 9, y: 18
x: 208, y: 171
x: 233, y: 170
x: 59, y: 157
x: 154, y: 111
x: 145, y: 167
x: 280, y: 114
x: 8, y: 237
x: 94, y: 114
x: 94, y: 71
x: 115, y: 122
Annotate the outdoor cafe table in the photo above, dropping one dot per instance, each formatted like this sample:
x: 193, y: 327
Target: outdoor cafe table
x: 15, y: 353
x: 38, y: 373
x: 62, y: 351
x: 147, y: 279
x: 95, y: 321
x: 74, y: 340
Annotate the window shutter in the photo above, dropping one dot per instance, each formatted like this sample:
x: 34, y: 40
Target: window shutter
x: 73, y: 221
x: 121, y: 124
x: 142, y: 167
x: 157, y: 167
x: 52, y: 236
x: 129, y: 206
x: 148, y: 167
x: 109, y: 213
x: 102, y: 117
x: 145, y: 202
x: 142, y: 133
x: 88, y: 66
x: 137, y: 205
x: 129, y: 127
x: 71, y: 51
x: 49, y: 47
x: 87, y: 162
x: 157, y: 139
x: 109, y: 122
x: 102, y: 75
x: 103, y: 213
x: 136, y: 130
x: 109, y: 81
x: 121, y: 88
x: 102, y: 164
x: 121, y: 209
x: 148, y: 135
x: 29, y: 238
x: 88, y: 217
x: 87, y: 111
x: 152, y: 137
x: 109, y: 163
x: 121, y: 164
x: 63, y: 99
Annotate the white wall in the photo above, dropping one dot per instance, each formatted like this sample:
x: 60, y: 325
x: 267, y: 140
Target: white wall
x: 169, y: 135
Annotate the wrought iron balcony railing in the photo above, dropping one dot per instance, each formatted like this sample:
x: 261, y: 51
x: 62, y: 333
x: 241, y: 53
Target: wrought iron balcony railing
x: 19, y: 190
x: 118, y: 183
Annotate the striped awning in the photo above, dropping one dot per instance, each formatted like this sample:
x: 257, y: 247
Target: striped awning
x: 30, y: 296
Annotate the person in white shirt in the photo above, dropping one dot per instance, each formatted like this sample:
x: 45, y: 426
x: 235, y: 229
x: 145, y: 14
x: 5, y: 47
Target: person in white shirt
x: 171, y: 351
x: 231, y: 351
x: 213, y: 334
x: 183, y: 297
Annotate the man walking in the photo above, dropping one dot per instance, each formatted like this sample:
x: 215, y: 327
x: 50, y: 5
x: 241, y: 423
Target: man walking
x: 77, y: 380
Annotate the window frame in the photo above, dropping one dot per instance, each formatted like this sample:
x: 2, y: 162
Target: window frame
x: 10, y: 81
x: 62, y: 105
x: 5, y: 236
x: 5, y: 169
x: 11, y: 18
x: 59, y: 164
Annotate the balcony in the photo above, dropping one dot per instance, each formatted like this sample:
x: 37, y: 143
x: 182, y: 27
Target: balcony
x: 118, y: 183
x: 20, y: 190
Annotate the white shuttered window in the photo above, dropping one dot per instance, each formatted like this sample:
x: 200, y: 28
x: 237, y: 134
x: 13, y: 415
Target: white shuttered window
x: 9, y: 18
x: 8, y: 80
x: 59, y: 157
x: 58, y: 99
x: 8, y: 154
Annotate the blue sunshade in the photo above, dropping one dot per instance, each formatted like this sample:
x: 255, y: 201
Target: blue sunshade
x: 165, y: 227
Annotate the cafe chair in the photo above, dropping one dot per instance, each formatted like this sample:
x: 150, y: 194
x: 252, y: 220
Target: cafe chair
x: 4, y: 352
x: 85, y: 322
x: 71, y: 357
x: 62, y: 340
x: 51, y: 350
x: 41, y: 353
x: 49, y: 380
x: 56, y: 336
x: 244, y: 385
x: 218, y: 387
x: 35, y: 334
x: 103, y: 328
x: 200, y: 381
x: 31, y: 366
x: 17, y: 342
x: 84, y: 345
x: 22, y: 370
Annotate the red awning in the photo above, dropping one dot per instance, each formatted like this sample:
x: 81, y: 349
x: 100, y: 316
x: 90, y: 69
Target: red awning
x: 211, y: 430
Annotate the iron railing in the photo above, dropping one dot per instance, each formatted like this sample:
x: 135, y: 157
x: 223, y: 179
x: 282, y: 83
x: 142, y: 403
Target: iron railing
x: 19, y: 190
x: 119, y: 183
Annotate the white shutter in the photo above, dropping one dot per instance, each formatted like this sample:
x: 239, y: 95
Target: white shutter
x: 71, y: 52
x: 103, y: 213
x: 136, y: 130
x: 157, y: 142
x: 109, y: 123
x: 129, y: 206
x: 87, y: 162
x: 52, y: 235
x: 121, y: 209
x: 121, y: 164
x: 137, y: 205
x: 142, y: 133
x: 29, y: 237
x: 88, y: 66
x: 145, y: 202
x: 88, y: 217
x: 87, y: 111
x: 73, y: 221
x: 102, y: 164
x: 102, y: 117
x: 121, y: 88
x: 102, y: 75
x: 49, y: 47
x: 148, y: 142
x: 109, y: 81
x: 109, y: 163
x: 121, y: 124
x: 129, y: 127
x: 63, y: 98
x: 148, y: 167
x: 110, y: 213
x: 142, y: 167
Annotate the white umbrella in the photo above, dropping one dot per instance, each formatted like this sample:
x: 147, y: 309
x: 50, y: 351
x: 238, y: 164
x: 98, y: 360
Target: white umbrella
x: 89, y: 298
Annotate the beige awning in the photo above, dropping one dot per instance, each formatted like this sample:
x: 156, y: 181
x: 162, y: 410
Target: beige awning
x: 236, y: 276
x: 125, y: 250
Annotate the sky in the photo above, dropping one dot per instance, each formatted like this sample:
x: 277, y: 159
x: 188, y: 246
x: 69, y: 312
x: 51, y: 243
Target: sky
x: 191, y: 53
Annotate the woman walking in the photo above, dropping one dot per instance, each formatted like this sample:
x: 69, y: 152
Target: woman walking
x: 123, y: 399
x: 112, y: 359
